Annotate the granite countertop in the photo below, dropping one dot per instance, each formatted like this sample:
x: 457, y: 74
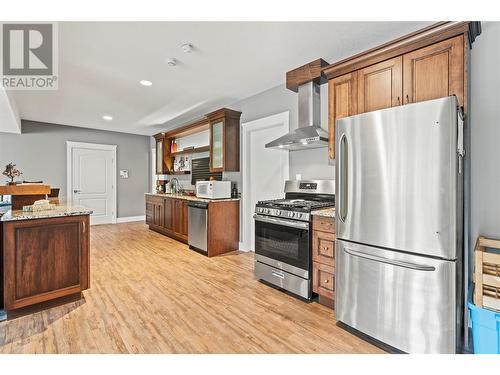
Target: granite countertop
x: 191, y: 198
x: 326, y: 212
x: 59, y: 211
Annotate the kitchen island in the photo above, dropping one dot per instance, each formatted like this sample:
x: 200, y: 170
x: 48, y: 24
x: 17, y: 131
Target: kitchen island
x: 45, y: 256
x: 168, y: 214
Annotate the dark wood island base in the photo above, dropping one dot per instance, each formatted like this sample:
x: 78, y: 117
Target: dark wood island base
x: 45, y: 258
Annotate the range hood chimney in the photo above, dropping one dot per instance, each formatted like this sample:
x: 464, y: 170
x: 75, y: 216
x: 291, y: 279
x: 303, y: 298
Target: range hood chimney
x: 309, y: 134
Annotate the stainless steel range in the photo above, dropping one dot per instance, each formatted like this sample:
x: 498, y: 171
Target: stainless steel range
x: 283, y: 232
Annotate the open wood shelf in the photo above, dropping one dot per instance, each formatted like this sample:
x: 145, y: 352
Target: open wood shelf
x: 192, y: 150
x: 173, y: 173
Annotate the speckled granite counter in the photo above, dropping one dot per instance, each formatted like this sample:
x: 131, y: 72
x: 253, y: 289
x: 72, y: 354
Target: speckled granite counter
x: 326, y: 212
x: 58, y: 211
x: 191, y: 198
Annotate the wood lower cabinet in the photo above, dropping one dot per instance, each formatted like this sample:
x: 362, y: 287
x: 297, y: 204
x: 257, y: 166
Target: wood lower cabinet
x: 323, y: 281
x: 169, y: 210
x: 45, y: 259
x: 380, y: 86
x: 435, y: 71
x: 323, y: 257
x: 168, y: 216
x: 223, y: 221
x: 342, y: 102
x: 180, y: 218
x: 223, y: 227
x: 155, y: 211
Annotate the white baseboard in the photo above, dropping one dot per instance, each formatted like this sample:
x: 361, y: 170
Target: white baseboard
x: 242, y: 247
x: 128, y: 219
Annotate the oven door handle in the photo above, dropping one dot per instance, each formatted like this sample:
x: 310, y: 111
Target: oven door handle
x: 287, y: 223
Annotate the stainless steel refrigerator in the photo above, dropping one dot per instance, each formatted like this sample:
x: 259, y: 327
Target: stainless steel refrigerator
x: 399, y: 248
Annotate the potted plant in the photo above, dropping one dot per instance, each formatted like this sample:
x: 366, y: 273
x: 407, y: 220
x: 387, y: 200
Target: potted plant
x: 12, y: 172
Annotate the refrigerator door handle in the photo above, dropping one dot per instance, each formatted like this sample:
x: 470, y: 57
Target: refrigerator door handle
x: 413, y: 266
x: 343, y: 176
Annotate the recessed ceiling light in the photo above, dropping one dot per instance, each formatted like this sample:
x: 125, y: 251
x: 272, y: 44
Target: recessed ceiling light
x: 145, y: 82
x: 107, y: 117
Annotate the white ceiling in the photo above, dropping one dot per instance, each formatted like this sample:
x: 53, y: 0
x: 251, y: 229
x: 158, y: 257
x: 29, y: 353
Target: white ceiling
x: 101, y: 64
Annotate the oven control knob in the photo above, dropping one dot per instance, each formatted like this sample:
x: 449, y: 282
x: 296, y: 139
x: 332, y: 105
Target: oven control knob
x: 277, y: 212
x: 298, y: 215
x: 266, y: 210
x: 290, y: 214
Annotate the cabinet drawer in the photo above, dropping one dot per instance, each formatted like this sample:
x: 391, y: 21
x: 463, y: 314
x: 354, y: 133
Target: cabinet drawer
x: 323, y: 280
x: 325, y: 224
x: 323, y: 247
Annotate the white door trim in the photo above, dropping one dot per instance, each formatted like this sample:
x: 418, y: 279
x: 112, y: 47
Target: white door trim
x: 247, y: 127
x: 70, y: 145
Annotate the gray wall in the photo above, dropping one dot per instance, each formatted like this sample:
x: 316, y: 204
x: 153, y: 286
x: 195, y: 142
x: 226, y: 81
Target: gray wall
x: 485, y: 133
x: 40, y: 153
x: 311, y: 164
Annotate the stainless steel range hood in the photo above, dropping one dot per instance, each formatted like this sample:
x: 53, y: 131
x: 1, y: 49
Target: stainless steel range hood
x: 309, y: 134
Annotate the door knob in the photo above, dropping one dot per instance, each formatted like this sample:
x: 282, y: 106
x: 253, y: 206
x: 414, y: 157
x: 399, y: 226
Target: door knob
x: 76, y: 191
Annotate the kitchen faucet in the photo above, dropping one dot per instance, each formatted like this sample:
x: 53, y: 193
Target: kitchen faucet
x: 176, y: 185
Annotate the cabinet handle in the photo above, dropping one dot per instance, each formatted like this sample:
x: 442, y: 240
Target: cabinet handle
x: 83, y: 223
x: 399, y: 100
x: 325, y: 248
x: 407, y: 98
x: 326, y: 281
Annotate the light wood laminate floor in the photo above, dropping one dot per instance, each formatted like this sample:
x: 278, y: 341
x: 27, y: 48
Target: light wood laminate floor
x: 151, y: 294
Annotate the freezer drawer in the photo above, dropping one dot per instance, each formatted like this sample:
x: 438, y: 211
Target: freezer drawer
x: 406, y: 301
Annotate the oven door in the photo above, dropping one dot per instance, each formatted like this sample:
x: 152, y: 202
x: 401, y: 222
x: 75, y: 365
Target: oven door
x: 283, y: 242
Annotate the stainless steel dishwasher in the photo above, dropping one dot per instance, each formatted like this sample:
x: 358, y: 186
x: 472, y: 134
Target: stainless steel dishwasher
x: 197, y: 225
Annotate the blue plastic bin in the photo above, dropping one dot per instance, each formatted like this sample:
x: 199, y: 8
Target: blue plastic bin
x: 485, y: 330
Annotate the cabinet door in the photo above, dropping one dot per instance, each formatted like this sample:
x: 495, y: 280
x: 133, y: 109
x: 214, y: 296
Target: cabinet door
x: 380, y: 85
x: 176, y: 220
x: 168, y: 214
x: 323, y: 280
x: 435, y: 71
x: 149, y: 210
x: 183, y: 219
x: 323, y: 247
x: 159, y: 156
x: 217, y: 146
x: 45, y: 259
x: 159, y: 213
x: 342, y: 102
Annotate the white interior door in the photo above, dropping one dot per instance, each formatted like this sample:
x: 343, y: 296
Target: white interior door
x: 93, y: 179
x: 264, y: 170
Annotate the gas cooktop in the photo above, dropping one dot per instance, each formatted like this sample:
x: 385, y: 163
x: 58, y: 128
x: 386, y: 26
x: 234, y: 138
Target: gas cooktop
x: 295, y: 204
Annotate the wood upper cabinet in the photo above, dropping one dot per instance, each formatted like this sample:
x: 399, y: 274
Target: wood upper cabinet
x: 342, y: 102
x: 435, y: 71
x: 380, y: 86
x: 163, y: 157
x: 424, y: 65
x: 224, y: 140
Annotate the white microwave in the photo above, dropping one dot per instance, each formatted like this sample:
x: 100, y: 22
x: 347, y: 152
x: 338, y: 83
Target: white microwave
x: 213, y: 189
